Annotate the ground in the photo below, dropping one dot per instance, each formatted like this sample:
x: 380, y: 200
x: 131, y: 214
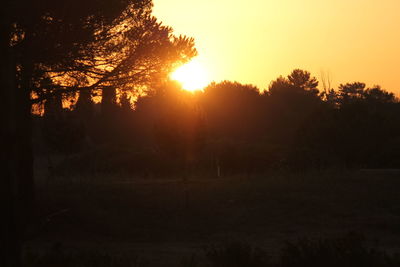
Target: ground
x: 166, y: 219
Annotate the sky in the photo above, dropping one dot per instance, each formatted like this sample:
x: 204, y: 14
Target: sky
x: 255, y: 41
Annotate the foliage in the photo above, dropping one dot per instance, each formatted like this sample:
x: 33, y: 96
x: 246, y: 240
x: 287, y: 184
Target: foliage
x: 236, y: 255
x: 50, y: 51
x: 348, y: 251
x: 57, y: 256
x: 236, y: 129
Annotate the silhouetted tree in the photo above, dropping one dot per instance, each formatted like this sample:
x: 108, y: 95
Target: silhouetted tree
x: 232, y: 110
x: 173, y: 124
x: 84, y: 105
x: 37, y: 39
x: 303, y: 80
x: 146, y: 53
x: 366, y: 123
x: 289, y: 102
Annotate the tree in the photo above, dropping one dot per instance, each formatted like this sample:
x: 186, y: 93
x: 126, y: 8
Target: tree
x: 351, y: 92
x: 297, y: 82
x: 232, y: 110
x: 303, y: 80
x: 289, y: 102
x: 134, y: 52
x: 173, y: 123
x: 357, y: 92
x: 137, y: 52
x: 37, y: 40
x: 367, y: 125
x: 143, y: 55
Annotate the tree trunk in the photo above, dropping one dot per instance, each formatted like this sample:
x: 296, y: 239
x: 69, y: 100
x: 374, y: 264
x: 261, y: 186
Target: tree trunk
x: 53, y: 107
x: 108, y: 101
x: 26, y: 187
x: 84, y: 105
x: 10, y: 232
x: 17, y: 187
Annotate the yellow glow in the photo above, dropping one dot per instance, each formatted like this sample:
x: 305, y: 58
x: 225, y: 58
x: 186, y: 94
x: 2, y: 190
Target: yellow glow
x: 192, y: 76
x: 256, y: 41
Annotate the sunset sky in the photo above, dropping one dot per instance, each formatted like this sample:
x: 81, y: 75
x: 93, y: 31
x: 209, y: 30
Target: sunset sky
x: 255, y: 41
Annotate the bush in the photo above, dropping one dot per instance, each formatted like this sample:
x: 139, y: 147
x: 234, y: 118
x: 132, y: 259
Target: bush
x: 237, y: 255
x: 57, y: 256
x: 348, y: 251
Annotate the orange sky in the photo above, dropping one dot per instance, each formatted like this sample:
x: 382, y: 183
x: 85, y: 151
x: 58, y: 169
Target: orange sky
x: 255, y: 41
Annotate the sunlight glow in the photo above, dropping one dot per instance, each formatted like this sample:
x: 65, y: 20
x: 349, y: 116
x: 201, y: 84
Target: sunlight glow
x: 256, y: 41
x: 192, y: 76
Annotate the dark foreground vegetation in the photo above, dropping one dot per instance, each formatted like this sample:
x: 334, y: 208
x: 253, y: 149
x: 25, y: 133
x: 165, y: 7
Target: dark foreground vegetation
x: 348, y: 251
x: 206, y: 221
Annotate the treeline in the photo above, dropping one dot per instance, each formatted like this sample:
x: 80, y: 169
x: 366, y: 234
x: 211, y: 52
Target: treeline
x: 231, y: 128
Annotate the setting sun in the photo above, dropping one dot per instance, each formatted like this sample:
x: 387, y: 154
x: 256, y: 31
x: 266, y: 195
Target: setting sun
x: 192, y: 76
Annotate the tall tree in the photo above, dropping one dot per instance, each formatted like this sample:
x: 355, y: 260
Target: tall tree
x: 37, y: 39
x: 232, y: 110
x: 289, y: 102
x: 144, y: 53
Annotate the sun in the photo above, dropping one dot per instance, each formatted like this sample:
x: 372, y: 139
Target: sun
x: 192, y: 76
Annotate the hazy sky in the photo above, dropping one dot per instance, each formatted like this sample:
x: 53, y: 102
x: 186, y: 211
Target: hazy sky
x: 255, y: 41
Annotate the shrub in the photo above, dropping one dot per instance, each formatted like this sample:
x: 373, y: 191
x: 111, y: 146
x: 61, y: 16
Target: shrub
x: 348, y: 251
x: 237, y: 255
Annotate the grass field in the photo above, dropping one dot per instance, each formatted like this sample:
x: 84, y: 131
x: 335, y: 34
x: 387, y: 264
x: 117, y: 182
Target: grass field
x: 165, y: 220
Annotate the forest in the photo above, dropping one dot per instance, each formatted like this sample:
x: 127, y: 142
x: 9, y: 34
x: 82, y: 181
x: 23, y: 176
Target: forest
x: 103, y: 153
x: 229, y: 128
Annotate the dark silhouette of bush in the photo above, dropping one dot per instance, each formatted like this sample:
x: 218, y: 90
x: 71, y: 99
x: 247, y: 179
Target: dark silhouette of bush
x: 58, y: 256
x: 348, y: 251
x: 237, y: 254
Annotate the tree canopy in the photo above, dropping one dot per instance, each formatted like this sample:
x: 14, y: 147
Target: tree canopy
x: 51, y: 50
